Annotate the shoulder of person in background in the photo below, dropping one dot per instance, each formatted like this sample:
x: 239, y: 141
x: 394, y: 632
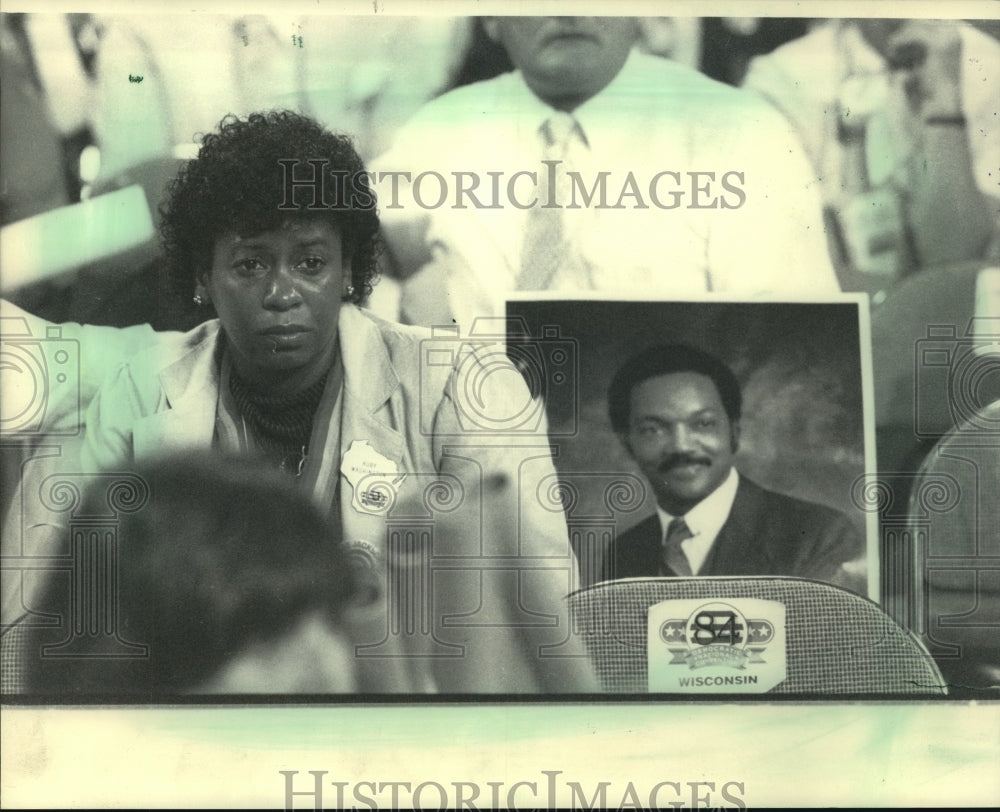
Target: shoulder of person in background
x: 79, y: 356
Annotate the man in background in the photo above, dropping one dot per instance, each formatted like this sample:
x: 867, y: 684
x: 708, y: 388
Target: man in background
x: 590, y: 163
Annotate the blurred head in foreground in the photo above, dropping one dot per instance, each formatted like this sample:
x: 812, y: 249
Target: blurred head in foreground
x: 229, y: 579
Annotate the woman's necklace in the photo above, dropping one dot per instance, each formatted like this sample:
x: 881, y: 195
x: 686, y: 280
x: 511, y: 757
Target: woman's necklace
x: 279, y: 426
x: 296, y: 461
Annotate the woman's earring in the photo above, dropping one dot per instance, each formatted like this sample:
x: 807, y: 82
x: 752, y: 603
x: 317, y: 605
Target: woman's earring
x: 199, y: 299
x: 349, y: 291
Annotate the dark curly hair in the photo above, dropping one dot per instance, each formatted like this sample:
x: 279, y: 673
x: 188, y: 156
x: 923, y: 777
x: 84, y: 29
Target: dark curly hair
x: 237, y: 184
x: 666, y: 359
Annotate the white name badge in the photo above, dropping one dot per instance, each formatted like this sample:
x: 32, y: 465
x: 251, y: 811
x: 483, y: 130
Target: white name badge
x: 373, y: 477
x: 716, y: 646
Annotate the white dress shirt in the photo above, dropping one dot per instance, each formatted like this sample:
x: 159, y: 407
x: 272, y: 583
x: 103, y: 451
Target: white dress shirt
x: 704, y: 520
x: 655, y: 116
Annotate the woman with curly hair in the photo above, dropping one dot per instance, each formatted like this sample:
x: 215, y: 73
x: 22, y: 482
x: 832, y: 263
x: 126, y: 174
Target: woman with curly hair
x: 273, y: 230
x: 282, y: 269
x: 275, y: 273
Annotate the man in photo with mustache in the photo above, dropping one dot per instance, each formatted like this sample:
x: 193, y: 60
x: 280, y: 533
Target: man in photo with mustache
x: 677, y: 411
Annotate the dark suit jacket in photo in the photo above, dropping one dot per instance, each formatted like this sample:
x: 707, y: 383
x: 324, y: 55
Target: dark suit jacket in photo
x: 766, y: 533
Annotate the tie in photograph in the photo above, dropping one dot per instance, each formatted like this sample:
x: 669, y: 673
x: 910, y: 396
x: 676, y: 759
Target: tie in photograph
x: 673, y: 556
x: 545, y: 244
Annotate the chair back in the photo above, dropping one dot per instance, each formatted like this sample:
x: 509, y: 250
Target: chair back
x: 837, y: 642
x: 13, y: 640
x: 951, y: 547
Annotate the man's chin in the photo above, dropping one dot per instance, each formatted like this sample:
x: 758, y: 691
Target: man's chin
x: 684, y: 493
x: 681, y: 475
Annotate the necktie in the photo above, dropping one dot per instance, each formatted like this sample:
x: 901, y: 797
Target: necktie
x: 673, y: 556
x: 545, y: 241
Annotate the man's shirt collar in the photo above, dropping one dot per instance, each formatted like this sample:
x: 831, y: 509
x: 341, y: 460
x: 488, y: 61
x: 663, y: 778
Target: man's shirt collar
x: 704, y: 520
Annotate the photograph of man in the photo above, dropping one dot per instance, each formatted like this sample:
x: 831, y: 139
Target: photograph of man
x: 677, y: 411
x: 580, y: 168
